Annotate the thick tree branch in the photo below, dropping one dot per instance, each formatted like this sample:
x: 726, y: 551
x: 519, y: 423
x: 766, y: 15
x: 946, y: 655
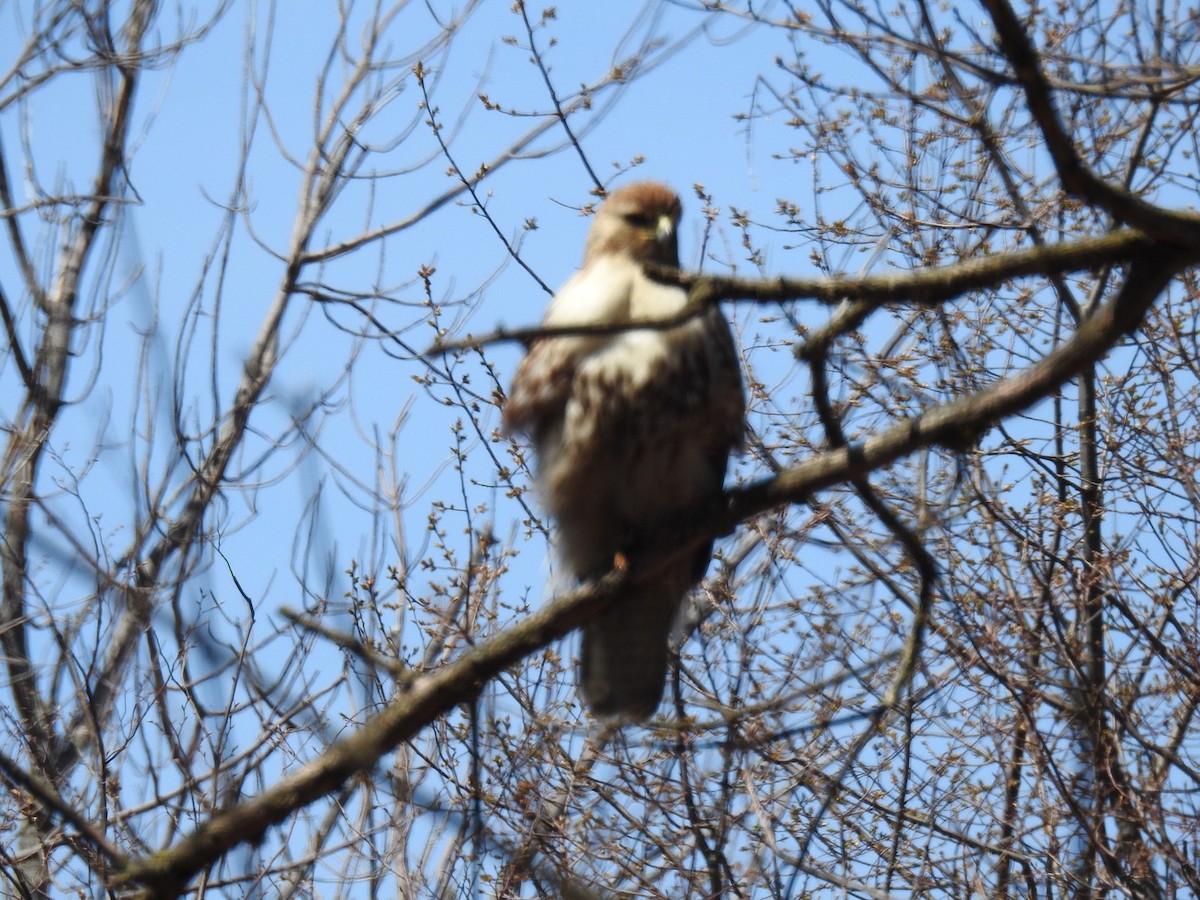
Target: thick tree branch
x: 961, y: 421
x: 865, y: 293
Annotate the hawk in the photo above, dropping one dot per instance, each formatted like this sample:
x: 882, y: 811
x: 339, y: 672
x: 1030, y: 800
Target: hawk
x: 632, y: 430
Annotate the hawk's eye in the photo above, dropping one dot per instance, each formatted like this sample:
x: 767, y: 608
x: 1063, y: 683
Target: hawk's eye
x: 639, y: 220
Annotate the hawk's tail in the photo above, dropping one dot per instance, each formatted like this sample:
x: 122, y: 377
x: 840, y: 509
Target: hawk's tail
x: 626, y: 649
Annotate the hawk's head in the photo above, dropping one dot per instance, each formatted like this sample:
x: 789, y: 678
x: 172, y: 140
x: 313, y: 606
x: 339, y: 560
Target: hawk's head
x: 638, y: 221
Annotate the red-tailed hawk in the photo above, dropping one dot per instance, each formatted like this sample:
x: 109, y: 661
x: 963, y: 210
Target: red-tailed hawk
x: 632, y: 431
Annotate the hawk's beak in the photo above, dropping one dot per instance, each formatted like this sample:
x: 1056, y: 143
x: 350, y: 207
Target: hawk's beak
x: 666, y: 228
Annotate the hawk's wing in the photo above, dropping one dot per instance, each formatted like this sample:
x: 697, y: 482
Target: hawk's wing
x: 598, y: 294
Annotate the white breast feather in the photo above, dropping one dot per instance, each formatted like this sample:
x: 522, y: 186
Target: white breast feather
x: 598, y: 293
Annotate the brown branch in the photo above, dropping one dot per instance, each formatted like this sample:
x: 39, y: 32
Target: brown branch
x: 14, y: 343
x: 515, y: 151
x: 49, y: 374
x: 962, y: 421
x: 1168, y: 226
x: 562, y: 116
x: 537, y: 332
x: 48, y: 797
x: 865, y: 293
x: 165, y: 874
x: 350, y: 643
x: 471, y: 183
